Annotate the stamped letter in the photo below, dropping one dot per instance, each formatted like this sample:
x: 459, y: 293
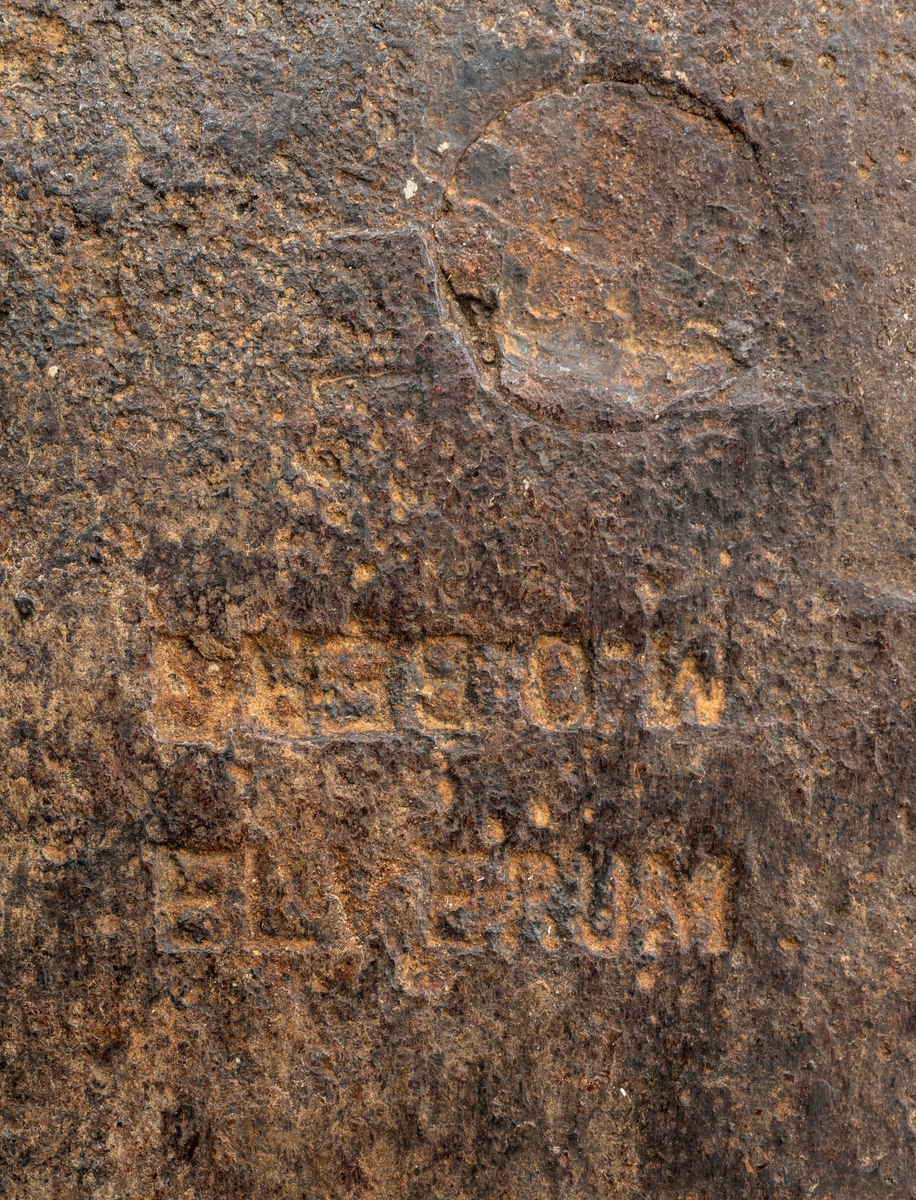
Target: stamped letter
x: 468, y: 902
x: 534, y: 879
x: 555, y: 689
x: 348, y: 688
x: 198, y: 900
x: 681, y: 694
x: 606, y: 914
x: 688, y: 909
x: 193, y: 695
x: 439, y: 683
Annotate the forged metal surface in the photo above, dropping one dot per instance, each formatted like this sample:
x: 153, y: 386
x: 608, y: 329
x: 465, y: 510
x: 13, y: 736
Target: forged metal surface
x: 457, y: 534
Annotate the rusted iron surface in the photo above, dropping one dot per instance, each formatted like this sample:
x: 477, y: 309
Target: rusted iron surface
x: 456, y: 520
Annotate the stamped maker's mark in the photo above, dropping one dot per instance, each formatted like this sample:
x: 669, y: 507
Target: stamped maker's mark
x: 308, y: 686
x: 251, y: 900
